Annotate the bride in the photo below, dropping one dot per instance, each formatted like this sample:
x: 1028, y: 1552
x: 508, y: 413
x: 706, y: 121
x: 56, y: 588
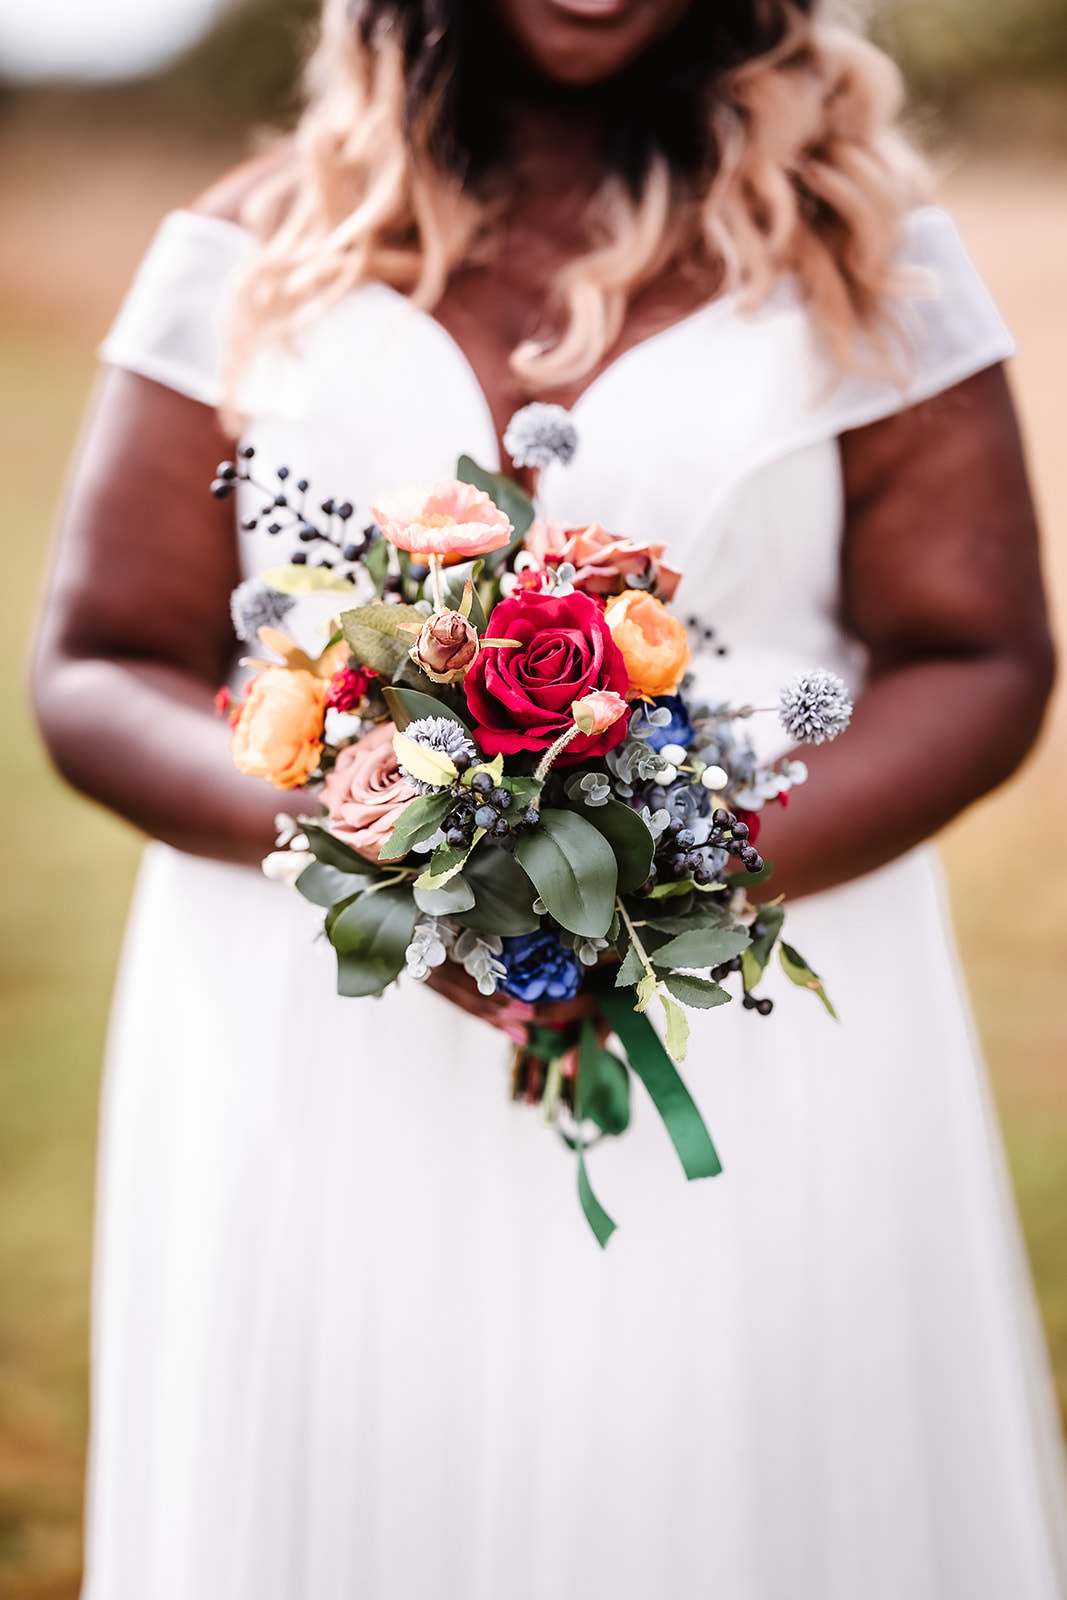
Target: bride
x: 351, y: 1336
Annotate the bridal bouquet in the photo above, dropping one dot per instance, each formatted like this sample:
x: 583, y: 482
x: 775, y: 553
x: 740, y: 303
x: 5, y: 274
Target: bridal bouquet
x: 514, y: 775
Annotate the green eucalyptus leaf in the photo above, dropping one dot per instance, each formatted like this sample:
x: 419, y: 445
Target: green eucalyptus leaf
x: 704, y: 947
x: 797, y: 971
x: 572, y: 867
x: 324, y: 885
x: 371, y: 935
x: 409, y: 705
x: 419, y: 821
x: 698, y: 992
x: 503, y: 895
x: 629, y: 837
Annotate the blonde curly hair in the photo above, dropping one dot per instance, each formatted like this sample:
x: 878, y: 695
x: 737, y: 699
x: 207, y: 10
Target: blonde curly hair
x: 801, y: 170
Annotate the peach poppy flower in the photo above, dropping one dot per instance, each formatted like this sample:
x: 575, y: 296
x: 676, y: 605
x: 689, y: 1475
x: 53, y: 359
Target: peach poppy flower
x: 450, y: 519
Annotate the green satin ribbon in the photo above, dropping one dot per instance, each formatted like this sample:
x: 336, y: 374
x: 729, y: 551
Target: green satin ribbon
x: 588, y: 1053
x: 657, y: 1072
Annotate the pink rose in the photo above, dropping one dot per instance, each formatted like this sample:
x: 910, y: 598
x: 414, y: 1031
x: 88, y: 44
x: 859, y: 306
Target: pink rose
x: 446, y: 646
x: 597, y: 712
x: 451, y: 519
x: 603, y: 562
x: 365, y: 792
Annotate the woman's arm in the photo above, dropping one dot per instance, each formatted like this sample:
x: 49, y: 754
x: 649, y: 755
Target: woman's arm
x: 942, y: 583
x: 136, y: 634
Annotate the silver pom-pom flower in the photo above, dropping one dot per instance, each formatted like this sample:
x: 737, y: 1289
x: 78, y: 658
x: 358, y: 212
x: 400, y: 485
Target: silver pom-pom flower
x: 438, y: 733
x: 254, y: 605
x: 815, y: 707
x: 540, y: 434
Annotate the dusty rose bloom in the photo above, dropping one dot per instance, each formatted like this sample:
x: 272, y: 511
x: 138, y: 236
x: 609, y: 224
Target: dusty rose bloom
x: 602, y: 562
x: 446, y: 646
x: 365, y: 792
x: 597, y: 712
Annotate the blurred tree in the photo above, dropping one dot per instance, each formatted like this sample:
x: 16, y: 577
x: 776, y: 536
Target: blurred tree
x: 245, y: 68
x: 948, y: 46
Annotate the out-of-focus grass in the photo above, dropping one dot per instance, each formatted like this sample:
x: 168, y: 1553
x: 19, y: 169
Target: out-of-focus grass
x: 67, y: 871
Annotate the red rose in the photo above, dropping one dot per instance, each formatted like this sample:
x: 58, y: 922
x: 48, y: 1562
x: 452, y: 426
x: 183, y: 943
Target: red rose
x: 521, y: 695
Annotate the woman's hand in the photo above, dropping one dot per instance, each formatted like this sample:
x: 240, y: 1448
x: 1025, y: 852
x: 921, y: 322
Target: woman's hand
x: 501, y: 1011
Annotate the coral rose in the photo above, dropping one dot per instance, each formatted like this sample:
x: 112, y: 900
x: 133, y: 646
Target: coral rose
x: 451, y: 519
x: 602, y: 562
x: 520, y: 696
x: 278, y: 734
x: 366, y: 792
x: 654, y: 644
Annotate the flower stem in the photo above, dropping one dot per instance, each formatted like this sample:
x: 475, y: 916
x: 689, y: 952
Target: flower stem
x: 541, y: 771
x: 435, y: 579
x: 642, y: 953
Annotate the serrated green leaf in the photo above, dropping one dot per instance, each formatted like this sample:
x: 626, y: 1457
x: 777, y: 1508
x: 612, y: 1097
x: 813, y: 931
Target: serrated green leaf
x: 423, y: 763
x: 376, y: 635
x: 631, y: 970
x: 445, y: 863
x: 419, y: 821
x: 676, y: 1037
x: 646, y: 992
x: 371, y: 936
x: 704, y: 947
x: 628, y: 836
x: 700, y: 993
x: 758, y: 953
x: 797, y: 971
x: 690, y: 921
x: 572, y: 867
x: 409, y: 705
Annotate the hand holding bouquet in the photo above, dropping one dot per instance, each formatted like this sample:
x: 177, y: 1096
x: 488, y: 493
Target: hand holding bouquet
x: 515, y: 778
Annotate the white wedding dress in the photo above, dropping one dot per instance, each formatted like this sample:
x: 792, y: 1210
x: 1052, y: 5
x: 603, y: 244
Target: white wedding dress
x: 353, y: 1338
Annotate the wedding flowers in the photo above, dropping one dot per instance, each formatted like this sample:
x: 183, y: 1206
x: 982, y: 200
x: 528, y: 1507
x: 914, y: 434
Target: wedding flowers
x: 604, y: 564
x: 815, y: 707
x: 278, y: 734
x: 537, y: 966
x: 449, y: 519
x: 446, y: 646
x: 520, y: 696
x: 366, y: 792
x: 597, y: 712
x: 654, y: 644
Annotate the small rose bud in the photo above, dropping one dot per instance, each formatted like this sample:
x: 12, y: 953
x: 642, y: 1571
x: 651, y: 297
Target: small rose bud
x: 597, y: 712
x: 446, y: 646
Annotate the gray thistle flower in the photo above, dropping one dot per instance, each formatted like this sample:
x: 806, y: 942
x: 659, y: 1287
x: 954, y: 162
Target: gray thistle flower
x: 254, y: 605
x: 540, y: 434
x: 814, y: 707
x: 438, y: 733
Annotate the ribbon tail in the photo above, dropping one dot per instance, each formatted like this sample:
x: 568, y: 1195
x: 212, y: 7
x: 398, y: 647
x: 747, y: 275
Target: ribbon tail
x: 650, y: 1061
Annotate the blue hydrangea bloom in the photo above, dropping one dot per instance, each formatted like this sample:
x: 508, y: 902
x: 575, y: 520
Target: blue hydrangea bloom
x: 538, y: 967
x: 679, y: 730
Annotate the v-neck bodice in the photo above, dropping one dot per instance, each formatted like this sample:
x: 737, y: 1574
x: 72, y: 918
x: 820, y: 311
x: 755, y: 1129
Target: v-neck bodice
x: 717, y: 434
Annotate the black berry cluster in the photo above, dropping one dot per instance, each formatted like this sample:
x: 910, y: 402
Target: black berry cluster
x: 679, y: 855
x: 482, y: 804
x: 323, y: 533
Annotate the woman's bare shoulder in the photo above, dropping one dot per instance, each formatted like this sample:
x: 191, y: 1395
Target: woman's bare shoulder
x: 225, y: 199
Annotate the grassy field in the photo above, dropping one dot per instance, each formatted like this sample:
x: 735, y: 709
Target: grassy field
x: 67, y: 880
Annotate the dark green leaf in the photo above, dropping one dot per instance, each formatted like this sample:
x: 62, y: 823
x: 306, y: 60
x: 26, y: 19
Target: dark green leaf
x: 455, y: 580
x: 456, y: 895
x: 705, y: 947
x: 376, y: 636
x: 324, y: 885
x: 336, y: 910
x: 758, y: 953
x: 698, y: 992
x: 445, y: 863
x: 797, y: 971
x: 701, y: 916
x: 505, y: 493
x: 419, y: 821
x: 572, y: 867
x: 376, y: 560
x: 524, y: 790
x: 503, y: 893
x: 628, y: 836
x: 370, y: 936
x: 332, y: 853
x: 408, y: 705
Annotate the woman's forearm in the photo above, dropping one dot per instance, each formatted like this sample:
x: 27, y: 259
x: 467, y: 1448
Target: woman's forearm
x: 142, y: 738
x: 926, y: 739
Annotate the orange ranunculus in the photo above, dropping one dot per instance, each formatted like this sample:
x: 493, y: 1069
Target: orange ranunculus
x: 654, y: 644
x: 279, y: 732
x: 450, y: 519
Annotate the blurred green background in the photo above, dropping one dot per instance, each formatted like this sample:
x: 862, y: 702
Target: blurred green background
x: 85, y: 172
